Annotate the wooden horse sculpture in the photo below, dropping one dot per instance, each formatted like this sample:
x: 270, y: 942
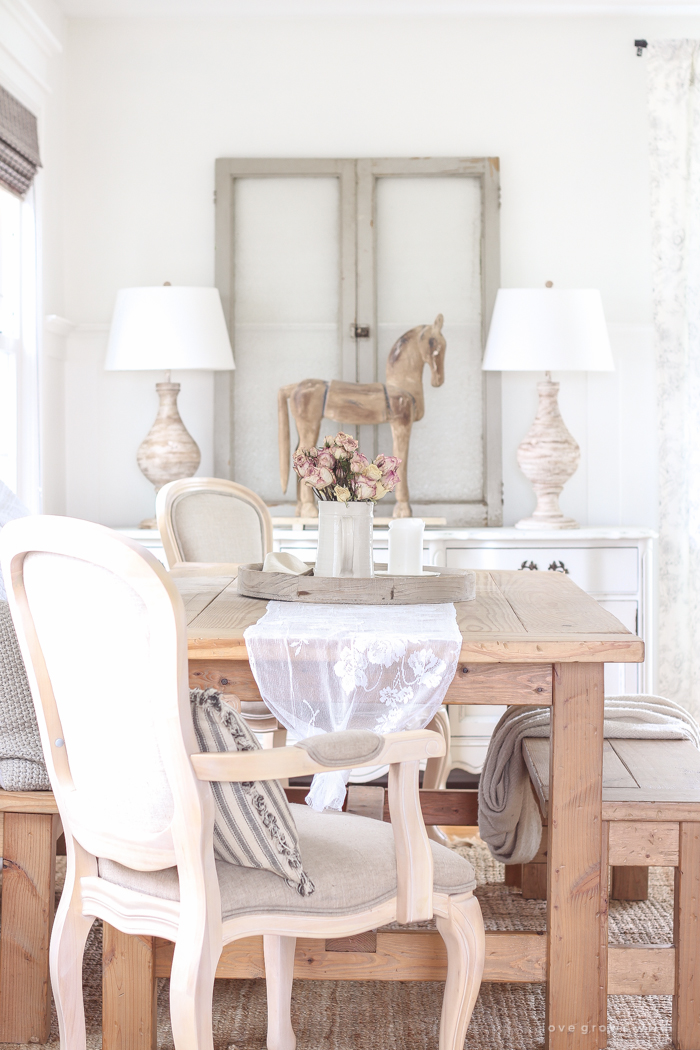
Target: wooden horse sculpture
x: 399, y: 402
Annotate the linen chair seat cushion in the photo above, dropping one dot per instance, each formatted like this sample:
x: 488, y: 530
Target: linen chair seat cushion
x: 350, y: 859
x: 253, y: 825
x: 22, y: 766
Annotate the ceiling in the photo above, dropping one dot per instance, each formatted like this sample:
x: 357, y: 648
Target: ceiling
x: 189, y: 8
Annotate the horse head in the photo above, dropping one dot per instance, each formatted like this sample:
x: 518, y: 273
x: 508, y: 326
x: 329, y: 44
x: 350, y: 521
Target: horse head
x: 432, y: 348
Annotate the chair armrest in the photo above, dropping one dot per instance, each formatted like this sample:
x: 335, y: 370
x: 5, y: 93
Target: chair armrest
x: 279, y: 762
x: 403, y: 753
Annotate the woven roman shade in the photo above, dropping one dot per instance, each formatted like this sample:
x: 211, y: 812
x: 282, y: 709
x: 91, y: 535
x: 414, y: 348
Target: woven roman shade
x: 19, y: 144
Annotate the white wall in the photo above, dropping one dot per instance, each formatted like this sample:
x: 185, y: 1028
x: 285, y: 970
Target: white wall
x: 561, y: 101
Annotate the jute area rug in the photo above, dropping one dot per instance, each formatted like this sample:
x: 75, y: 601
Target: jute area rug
x: 330, y: 1015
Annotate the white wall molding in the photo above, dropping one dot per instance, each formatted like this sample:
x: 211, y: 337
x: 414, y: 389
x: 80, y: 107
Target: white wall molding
x: 34, y: 26
x: 292, y: 8
x: 58, y: 325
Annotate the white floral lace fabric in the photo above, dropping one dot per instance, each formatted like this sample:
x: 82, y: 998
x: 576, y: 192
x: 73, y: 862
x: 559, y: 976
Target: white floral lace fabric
x: 323, y: 668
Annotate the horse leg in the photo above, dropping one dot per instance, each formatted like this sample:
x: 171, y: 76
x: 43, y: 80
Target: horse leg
x: 306, y: 406
x: 401, y: 432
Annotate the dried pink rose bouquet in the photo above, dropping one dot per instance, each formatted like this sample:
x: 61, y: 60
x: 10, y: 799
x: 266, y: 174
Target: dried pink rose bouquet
x: 339, y: 472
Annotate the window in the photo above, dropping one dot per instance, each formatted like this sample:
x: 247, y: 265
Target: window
x: 18, y: 348
x: 322, y: 265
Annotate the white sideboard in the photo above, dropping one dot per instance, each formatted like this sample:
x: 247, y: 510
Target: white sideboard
x: 614, y: 565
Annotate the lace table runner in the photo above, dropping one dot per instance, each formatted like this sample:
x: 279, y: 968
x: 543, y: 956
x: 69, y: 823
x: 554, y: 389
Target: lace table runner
x: 322, y: 668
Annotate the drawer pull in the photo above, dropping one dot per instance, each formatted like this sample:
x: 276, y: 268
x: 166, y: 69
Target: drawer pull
x: 558, y: 566
x: 529, y: 565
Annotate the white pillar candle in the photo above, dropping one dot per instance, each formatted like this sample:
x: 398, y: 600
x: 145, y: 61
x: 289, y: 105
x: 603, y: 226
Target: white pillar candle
x: 406, y: 547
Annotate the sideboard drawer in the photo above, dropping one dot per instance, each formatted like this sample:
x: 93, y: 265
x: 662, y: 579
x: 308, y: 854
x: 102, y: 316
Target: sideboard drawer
x: 597, y: 570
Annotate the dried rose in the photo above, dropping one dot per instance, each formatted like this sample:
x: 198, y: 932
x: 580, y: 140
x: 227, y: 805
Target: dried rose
x: 326, y: 459
x: 387, y: 463
x: 365, y: 489
x: 341, y: 493
x: 346, y: 442
x: 372, y: 472
x: 359, y: 463
x: 320, y: 478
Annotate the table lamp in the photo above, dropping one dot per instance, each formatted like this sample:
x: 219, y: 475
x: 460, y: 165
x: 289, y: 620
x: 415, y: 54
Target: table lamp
x: 548, y: 330
x: 168, y: 328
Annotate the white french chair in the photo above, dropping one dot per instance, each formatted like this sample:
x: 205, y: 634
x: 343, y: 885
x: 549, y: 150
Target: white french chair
x: 211, y: 525
x: 212, y: 520
x: 103, y: 634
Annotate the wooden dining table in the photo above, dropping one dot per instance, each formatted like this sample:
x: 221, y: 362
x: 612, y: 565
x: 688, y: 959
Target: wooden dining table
x: 527, y: 638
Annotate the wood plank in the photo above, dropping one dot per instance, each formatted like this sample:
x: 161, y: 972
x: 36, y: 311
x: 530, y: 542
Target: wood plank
x: 29, y: 863
x: 199, y: 591
x: 664, y: 767
x: 229, y: 611
x: 629, y: 884
x: 534, y: 881
x: 656, y: 811
x: 647, y: 843
x: 576, y: 892
x: 419, y: 955
x: 641, y: 969
x: 546, y: 606
x: 129, y: 991
x: 452, y: 807
x: 27, y: 802
x: 501, y: 684
x: 361, y: 942
x: 228, y: 676
x: 489, y: 613
x: 686, y: 937
x: 513, y: 875
x: 536, y: 754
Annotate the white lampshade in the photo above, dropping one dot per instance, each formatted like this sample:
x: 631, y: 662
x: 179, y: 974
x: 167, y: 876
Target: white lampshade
x: 168, y: 328
x: 548, y: 330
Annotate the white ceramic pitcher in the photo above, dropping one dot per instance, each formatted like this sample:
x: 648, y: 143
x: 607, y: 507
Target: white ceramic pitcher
x: 345, y: 539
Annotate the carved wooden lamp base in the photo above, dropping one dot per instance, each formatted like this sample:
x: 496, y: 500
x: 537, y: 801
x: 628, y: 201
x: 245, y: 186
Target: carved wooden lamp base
x: 548, y: 457
x: 168, y: 452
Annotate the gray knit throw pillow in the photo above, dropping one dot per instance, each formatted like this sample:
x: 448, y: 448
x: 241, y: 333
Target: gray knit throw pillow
x: 22, y: 766
x: 253, y: 825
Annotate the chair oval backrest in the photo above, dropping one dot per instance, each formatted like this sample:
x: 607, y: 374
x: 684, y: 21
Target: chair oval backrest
x: 103, y: 634
x: 212, y: 520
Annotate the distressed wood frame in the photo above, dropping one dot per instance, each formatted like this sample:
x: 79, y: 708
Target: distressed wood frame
x: 358, y: 300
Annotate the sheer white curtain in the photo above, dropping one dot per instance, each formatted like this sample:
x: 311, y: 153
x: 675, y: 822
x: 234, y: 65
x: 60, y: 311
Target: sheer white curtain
x: 674, y: 117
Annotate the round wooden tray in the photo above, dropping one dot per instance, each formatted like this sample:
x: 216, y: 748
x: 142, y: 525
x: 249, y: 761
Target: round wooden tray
x: 438, y: 586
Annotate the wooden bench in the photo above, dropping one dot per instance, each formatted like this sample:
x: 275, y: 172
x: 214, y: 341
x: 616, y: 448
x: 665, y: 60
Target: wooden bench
x: 29, y: 830
x: 651, y: 817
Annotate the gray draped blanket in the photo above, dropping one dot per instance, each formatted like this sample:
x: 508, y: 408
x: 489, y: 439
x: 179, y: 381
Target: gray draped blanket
x: 509, y: 819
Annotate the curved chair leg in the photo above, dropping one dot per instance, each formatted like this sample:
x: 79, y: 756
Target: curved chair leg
x: 462, y: 930
x: 279, y: 974
x: 192, y: 990
x: 437, y: 770
x: 68, y: 937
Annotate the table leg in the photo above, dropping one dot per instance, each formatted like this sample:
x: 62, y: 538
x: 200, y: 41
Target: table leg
x: 576, y: 1013
x: 27, y: 916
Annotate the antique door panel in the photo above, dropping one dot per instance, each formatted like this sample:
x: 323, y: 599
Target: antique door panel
x: 290, y: 308
x: 309, y: 249
x: 428, y: 262
x: 428, y: 244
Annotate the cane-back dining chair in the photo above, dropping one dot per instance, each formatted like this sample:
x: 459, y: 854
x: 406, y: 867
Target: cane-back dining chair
x: 103, y: 634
